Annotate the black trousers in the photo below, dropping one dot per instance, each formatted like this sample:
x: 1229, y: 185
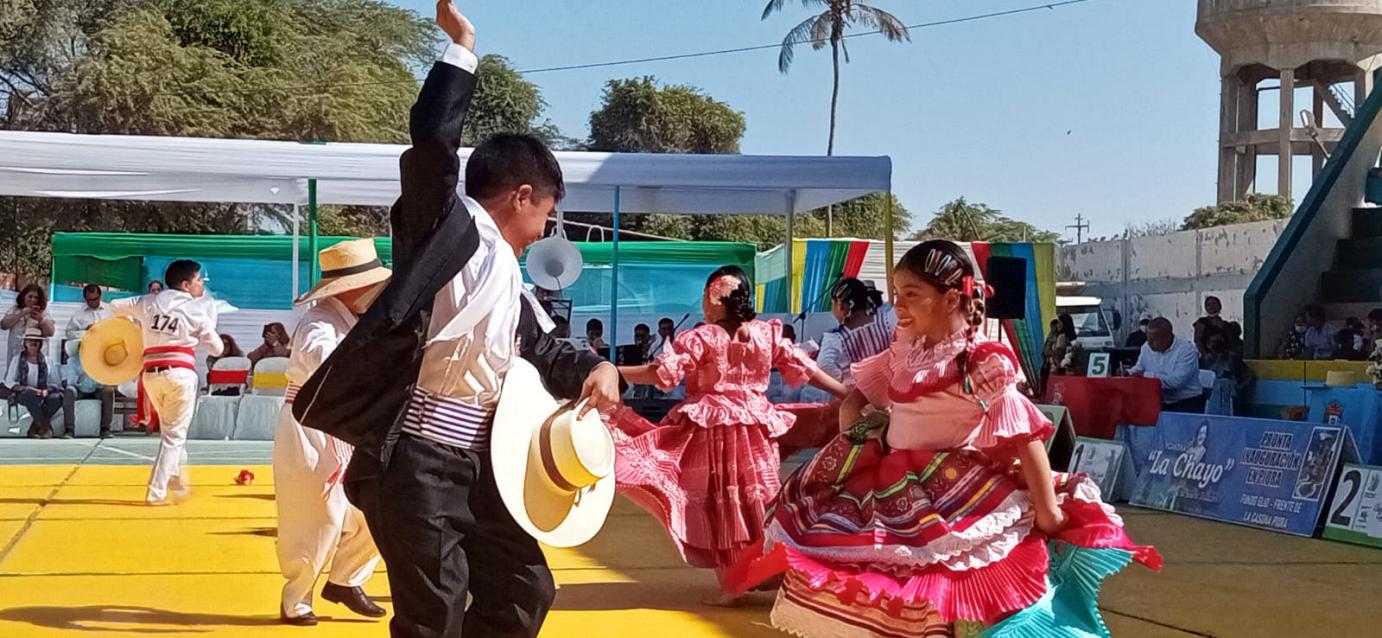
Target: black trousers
x: 41, y: 409
x: 438, y: 520
x: 1193, y: 405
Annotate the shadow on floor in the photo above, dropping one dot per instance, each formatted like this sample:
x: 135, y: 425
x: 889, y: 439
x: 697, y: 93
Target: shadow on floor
x: 257, y: 497
x: 638, y: 595
x: 74, y: 501
x: 127, y: 619
x: 266, y: 532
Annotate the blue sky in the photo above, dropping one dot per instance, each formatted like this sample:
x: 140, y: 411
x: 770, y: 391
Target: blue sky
x: 1107, y: 108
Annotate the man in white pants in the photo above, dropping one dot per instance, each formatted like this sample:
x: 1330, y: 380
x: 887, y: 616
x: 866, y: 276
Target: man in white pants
x: 314, y: 517
x: 174, y: 323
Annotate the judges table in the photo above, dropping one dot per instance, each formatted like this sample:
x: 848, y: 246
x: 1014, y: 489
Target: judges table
x: 1098, y: 405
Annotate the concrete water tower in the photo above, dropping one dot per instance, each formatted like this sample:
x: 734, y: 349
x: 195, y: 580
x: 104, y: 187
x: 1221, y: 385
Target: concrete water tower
x: 1331, y: 46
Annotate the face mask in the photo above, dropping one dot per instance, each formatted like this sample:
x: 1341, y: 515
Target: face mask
x: 1300, y: 330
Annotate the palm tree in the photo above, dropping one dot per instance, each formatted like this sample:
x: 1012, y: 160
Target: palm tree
x: 829, y: 26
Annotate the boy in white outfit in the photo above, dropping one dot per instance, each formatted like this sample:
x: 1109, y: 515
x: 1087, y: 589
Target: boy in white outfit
x: 174, y: 323
x: 314, y: 517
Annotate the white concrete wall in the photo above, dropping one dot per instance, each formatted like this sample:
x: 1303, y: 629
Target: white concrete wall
x: 1170, y: 275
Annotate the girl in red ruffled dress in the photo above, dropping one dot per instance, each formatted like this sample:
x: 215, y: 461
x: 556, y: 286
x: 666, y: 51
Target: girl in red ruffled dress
x: 938, y: 514
x: 710, y: 469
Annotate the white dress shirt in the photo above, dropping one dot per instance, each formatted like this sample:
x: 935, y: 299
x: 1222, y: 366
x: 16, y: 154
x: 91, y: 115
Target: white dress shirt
x: 316, y: 336
x: 80, y: 322
x: 1178, y: 369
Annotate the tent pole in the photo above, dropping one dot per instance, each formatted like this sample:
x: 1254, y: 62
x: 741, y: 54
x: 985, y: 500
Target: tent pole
x: 791, y: 221
x: 613, y: 339
x: 297, y: 258
x: 888, y: 243
x: 312, y: 229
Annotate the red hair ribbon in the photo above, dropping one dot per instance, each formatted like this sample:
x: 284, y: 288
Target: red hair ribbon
x: 972, y: 288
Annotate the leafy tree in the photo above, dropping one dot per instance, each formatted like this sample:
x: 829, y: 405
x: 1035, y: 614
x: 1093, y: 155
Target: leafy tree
x: 506, y: 102
x: 866, y: 217
x: 321, y: 70
x: 962, y: 221
x: 1255, y: 208
x: 829, y: 26
x: 1155, y: 228
x: 639, y: 116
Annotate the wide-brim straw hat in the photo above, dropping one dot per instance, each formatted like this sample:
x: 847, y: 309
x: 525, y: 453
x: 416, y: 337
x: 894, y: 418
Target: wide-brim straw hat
x: 35, y: 333
x: 349, y: 265
x: 554, y: 470
x: 112, y: 351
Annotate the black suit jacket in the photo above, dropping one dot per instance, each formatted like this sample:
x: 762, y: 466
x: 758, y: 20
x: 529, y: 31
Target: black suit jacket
x: 360, y: 393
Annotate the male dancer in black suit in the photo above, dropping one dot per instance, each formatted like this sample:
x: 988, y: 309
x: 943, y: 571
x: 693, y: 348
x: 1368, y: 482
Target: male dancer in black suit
x: 415, y: 383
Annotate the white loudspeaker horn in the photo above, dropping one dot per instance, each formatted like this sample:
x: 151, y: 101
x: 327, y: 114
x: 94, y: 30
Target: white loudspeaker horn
x: 554, y: 263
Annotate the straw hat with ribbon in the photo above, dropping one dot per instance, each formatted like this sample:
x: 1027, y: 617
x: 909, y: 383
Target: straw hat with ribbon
x: 554, y: 470
x: 349, y: 265
x: 112, y: 351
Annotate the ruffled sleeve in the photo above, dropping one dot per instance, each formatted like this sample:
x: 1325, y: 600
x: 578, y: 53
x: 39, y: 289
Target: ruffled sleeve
x: 796, y: 367
x: 1010, y: 419
x: 674, y: 364
x: 873, y: 375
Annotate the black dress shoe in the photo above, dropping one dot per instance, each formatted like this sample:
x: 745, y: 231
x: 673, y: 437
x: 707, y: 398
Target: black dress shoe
x: 308, y: 619
x: 355, y: 599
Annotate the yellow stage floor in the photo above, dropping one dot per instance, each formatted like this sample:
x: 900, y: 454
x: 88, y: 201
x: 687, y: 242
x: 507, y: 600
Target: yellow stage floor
x: 81, y: 555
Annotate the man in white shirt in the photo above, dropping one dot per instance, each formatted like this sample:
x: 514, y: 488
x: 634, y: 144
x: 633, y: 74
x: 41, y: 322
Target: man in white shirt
x: 174, y: 323
x: 315, y: 520
x: 1176, y: 362
x: 80, y: 386
x: 424, y: 482
x: 90, y: 313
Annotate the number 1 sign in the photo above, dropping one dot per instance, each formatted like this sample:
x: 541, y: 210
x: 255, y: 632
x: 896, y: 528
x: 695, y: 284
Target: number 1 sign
x: 1355, y: 514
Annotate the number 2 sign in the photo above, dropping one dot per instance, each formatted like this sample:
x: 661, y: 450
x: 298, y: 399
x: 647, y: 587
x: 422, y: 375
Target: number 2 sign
x: 1355, y: 514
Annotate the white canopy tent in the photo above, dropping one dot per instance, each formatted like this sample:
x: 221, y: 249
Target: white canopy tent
x: 181, y: 169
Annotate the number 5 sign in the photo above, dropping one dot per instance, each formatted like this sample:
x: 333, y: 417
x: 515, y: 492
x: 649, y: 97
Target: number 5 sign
x: 1355, y: 515
x: 1098, y: 364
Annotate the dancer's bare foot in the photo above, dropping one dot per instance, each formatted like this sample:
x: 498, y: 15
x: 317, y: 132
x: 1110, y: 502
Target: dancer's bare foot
x: 722, y: 599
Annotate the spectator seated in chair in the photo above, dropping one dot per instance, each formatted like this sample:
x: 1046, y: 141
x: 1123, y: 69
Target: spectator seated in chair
x: 1319, y: 342
x: 80, y: 386
x: 1176, y: 363
x: 1220, y: 359
x: 1210, y: 322
x: 1293, y: 344
x: 33, y: 384
x: 276, y: 342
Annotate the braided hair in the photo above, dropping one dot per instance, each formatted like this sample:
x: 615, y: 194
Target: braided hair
x: 856, y: 295
x: 945, y: 266
x: 738, y: 303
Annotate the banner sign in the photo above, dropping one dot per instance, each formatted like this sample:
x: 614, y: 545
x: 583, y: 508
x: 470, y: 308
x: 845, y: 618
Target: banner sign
x: 1257, y: 472
x: 1105, y: 463
x: 1355, y: 514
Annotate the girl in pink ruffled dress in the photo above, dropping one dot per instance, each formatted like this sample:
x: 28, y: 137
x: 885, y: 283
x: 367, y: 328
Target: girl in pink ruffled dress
x: 938, y: 513
x: 710, y: 469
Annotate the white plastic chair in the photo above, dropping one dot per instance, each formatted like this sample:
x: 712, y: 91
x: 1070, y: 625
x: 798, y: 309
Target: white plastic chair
x: 229, y: 372
x: 270, y: 377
